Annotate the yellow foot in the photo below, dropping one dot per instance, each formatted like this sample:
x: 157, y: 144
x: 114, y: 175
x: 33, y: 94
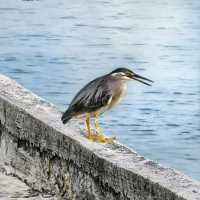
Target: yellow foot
x: 100, y: 138
x: 103, y: 139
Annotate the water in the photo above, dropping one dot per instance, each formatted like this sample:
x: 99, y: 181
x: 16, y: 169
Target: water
x: 54, y: 47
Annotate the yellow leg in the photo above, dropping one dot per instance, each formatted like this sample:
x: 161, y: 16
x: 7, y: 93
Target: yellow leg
x: 97, y: 126
x: 100, y: 137
x: 89, y: 133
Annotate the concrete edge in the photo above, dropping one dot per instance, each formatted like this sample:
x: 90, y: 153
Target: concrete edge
x: 123, y: 160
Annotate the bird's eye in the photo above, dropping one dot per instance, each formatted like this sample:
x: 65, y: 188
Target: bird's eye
x: 130, y: 74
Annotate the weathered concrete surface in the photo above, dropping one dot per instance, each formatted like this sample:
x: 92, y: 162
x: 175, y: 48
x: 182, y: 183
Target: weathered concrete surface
x: 11, y: 188
x: 57, y: 159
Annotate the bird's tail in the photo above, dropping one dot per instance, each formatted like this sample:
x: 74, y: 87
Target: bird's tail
x: 66, y: 117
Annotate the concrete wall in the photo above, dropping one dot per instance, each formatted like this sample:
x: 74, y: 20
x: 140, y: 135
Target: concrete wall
x: 56, y: 159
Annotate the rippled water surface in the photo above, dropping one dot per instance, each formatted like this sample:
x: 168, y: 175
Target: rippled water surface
x: 54, y: 47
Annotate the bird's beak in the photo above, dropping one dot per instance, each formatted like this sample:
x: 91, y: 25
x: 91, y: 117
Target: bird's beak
x: 141, y: 79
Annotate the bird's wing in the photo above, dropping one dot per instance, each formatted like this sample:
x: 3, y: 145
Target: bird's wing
x: 92, y: 97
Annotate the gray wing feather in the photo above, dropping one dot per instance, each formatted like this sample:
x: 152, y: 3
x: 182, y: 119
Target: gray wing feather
x: 90, y: 98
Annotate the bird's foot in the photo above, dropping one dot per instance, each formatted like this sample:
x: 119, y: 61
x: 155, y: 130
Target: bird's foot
x: 100, y: 138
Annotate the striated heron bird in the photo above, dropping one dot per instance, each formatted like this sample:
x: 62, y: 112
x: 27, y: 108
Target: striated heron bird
x: 98, y: 96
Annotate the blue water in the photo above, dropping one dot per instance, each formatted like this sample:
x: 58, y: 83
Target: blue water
x: 54, y: 47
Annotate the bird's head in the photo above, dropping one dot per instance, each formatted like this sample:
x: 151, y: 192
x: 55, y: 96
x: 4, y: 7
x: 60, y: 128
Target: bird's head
x: 127, y: 74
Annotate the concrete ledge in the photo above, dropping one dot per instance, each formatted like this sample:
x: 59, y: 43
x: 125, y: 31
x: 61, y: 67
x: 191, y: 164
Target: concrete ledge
x: 57, y: 159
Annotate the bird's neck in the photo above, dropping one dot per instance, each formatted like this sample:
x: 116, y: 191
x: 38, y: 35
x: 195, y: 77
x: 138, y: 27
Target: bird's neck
x: 118, y: 91
x: 120, y: 87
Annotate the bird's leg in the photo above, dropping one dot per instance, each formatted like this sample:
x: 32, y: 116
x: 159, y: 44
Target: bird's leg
x: 89, y: 133
x: 97, y: 126
x: 100, y: 137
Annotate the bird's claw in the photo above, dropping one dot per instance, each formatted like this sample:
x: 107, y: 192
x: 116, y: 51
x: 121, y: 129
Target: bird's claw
x: 100, y: 138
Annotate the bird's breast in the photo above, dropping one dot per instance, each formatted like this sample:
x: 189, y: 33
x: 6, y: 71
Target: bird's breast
x: 117, y: 95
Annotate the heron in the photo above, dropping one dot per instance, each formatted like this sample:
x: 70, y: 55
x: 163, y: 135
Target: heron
x: 98, y: 96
